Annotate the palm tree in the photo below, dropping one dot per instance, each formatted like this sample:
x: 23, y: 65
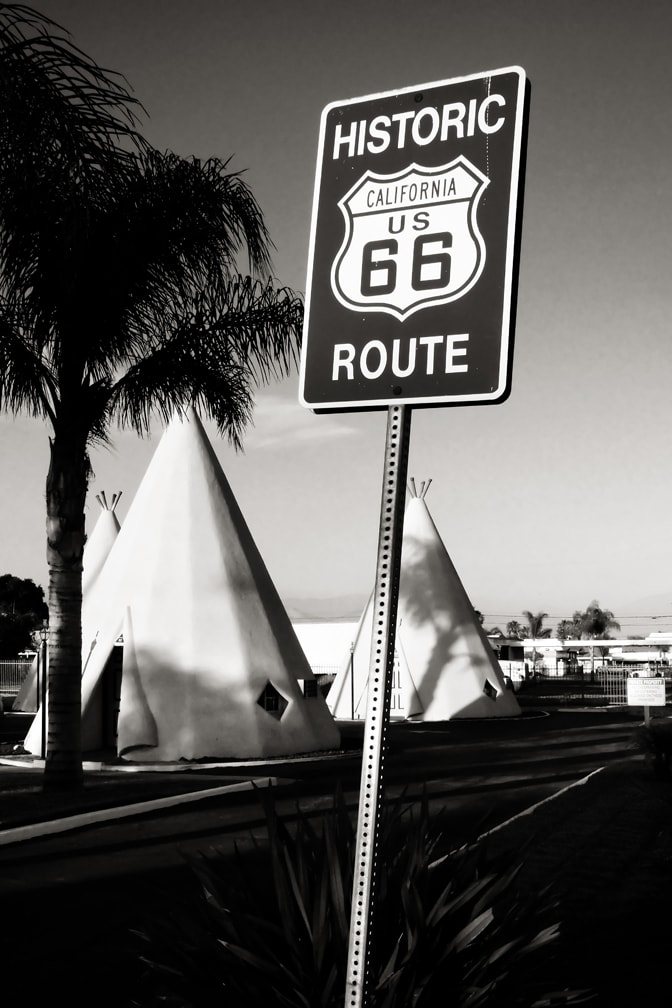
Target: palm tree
x: 120, y: 299
x: 535, y: 622
x: 595, y: 623
x: 514, y: 629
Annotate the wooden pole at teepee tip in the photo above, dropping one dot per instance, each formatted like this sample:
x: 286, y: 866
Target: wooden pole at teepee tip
x: 381, y: 670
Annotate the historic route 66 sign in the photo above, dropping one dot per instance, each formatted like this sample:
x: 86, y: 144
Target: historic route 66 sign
x: 411, y: 239
x: 413, y: 249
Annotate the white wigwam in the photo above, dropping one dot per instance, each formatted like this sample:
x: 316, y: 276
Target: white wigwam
x: 206, y: 636
x: 101, y: 540
x: 444, y: 666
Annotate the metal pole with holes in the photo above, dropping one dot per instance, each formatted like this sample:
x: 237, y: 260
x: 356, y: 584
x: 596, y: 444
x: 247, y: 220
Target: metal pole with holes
x: 381, y: 668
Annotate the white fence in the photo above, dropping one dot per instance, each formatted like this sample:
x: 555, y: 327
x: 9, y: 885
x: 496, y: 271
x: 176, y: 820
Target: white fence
x: 12, y: 674
x: 605, y: 683
x: 613, y: 681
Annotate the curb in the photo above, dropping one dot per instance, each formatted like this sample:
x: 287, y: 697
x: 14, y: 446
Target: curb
x: 529, y: 811
x: 18, y: 833
x: 37, y: 763
x: 532, y: 808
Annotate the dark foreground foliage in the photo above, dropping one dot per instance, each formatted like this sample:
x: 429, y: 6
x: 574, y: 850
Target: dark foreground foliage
x: 270, y: 927
x: 655, y: 741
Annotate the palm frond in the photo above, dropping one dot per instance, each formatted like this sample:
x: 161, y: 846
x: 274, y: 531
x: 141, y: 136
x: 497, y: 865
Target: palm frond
x: 26, y: 380
x: 260, y: 326
x: 65, y: 109
x: 178, y: 226
x: 170, y: 380
x: 211, y: 358
x: 159, y: 246
x: 67, y: 137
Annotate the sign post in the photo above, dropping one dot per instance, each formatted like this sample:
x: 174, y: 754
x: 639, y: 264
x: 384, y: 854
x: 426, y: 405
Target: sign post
x: 410, y: 301
x: 381, y: 666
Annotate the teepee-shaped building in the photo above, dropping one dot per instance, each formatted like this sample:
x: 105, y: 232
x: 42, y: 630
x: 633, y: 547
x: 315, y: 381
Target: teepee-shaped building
x: 211, y: 665
x: 101, y: 540
x: 444, y: 665
x: 97, y: 547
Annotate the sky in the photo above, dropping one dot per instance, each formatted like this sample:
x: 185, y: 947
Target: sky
x: 555, y: 497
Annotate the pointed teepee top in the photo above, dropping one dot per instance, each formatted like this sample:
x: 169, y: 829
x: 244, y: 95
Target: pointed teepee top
x: 102, y: 500
x: 422, y: 492
x: 99, y: 543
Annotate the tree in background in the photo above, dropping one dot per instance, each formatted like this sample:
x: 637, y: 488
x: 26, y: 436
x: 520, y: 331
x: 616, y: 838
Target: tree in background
x: 535, y: 629
x: 595, y: 622
x: 568, y: 629
x: 21, y: 596
x: 120, y: 299
x: 493, y: 631
x: 663, y: 649
x: 22, y: 612
x: 516, y: 630
x: 535, y: 624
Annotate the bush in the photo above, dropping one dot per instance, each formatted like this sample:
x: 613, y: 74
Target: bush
x: 655, y: 741
x: 270, y: 927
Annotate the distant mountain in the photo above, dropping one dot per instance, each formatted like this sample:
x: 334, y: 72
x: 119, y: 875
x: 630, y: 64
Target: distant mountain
x: 655, y: 605
x: 346, y: 607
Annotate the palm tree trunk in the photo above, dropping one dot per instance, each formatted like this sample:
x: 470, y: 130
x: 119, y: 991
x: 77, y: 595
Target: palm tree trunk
x: 66, y: 496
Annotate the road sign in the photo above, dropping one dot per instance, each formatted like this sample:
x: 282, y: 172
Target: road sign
x: 413, y: 247
x: 645, y: 691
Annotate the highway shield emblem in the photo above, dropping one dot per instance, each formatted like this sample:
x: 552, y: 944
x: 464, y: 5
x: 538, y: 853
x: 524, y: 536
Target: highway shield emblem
x: 411, y: 239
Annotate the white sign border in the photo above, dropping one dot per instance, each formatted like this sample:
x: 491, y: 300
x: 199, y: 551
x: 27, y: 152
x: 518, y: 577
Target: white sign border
x: 356, y: 404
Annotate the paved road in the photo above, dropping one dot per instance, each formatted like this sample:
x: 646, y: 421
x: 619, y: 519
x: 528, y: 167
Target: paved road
x: 482, y: 773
